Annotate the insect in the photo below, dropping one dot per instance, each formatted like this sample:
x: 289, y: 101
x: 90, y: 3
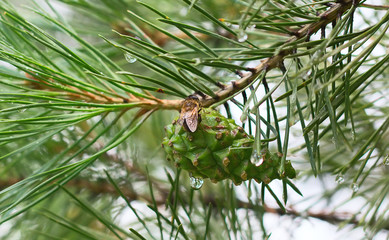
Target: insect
x: 189, y: 116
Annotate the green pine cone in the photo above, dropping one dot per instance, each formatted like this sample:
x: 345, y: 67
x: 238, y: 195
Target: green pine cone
x: 219, y: 149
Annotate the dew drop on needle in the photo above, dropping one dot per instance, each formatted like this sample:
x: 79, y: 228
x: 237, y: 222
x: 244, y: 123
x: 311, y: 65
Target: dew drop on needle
x: 339, y: 179
x: 130, y: 58
x: 242, y: 36
x: 355, y: 187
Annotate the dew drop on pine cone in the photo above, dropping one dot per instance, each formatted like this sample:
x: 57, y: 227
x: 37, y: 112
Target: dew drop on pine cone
x: 256, y: 158
x: 242, y: 36
x: 355, y: 187
x: 130, y: 58
x: 339, y: 179
x: 196, y: 183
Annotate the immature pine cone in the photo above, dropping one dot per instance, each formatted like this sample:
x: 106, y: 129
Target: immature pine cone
x: 219, y: 149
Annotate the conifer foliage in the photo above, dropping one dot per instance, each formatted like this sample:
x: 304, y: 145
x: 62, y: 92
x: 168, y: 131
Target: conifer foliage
x: 291, y: 121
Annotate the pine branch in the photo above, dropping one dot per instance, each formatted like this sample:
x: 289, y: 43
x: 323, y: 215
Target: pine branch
x: 335, y: 11
x: 97, y: 188
x: 93, y: 79
x: 275, y: 61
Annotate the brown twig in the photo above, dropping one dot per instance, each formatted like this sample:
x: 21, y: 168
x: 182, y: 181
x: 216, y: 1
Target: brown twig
x: 103, y: 187
x: 76, y: 93
x: 331, y: 217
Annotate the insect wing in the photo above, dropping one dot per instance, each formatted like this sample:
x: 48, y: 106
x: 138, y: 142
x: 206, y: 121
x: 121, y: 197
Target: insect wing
x: 192, y: 119
x: 181, y: 119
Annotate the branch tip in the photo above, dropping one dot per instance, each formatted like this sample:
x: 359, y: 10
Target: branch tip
x: 239, y: 73
x: 220, y: 85
x: 234, y: 84
x: 252, y: 70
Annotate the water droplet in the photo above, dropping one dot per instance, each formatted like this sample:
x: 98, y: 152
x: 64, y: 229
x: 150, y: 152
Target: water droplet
x: 242, y: 36
x: 339, y: 179
x: 355, y: 187
x: 353, y: 137
x: 197, y: 61
x: 256, y: 158
x: 307, y: 74
x: 21, y: 110
x: 335, y: 141
x: 196, y: 182
x: 183, y: 11
x: 251, y: 27
x: 243, y: 117
x: 317, y: 55
x: 56, y: 138
x: 386, y: 160
x: 130, y: 58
